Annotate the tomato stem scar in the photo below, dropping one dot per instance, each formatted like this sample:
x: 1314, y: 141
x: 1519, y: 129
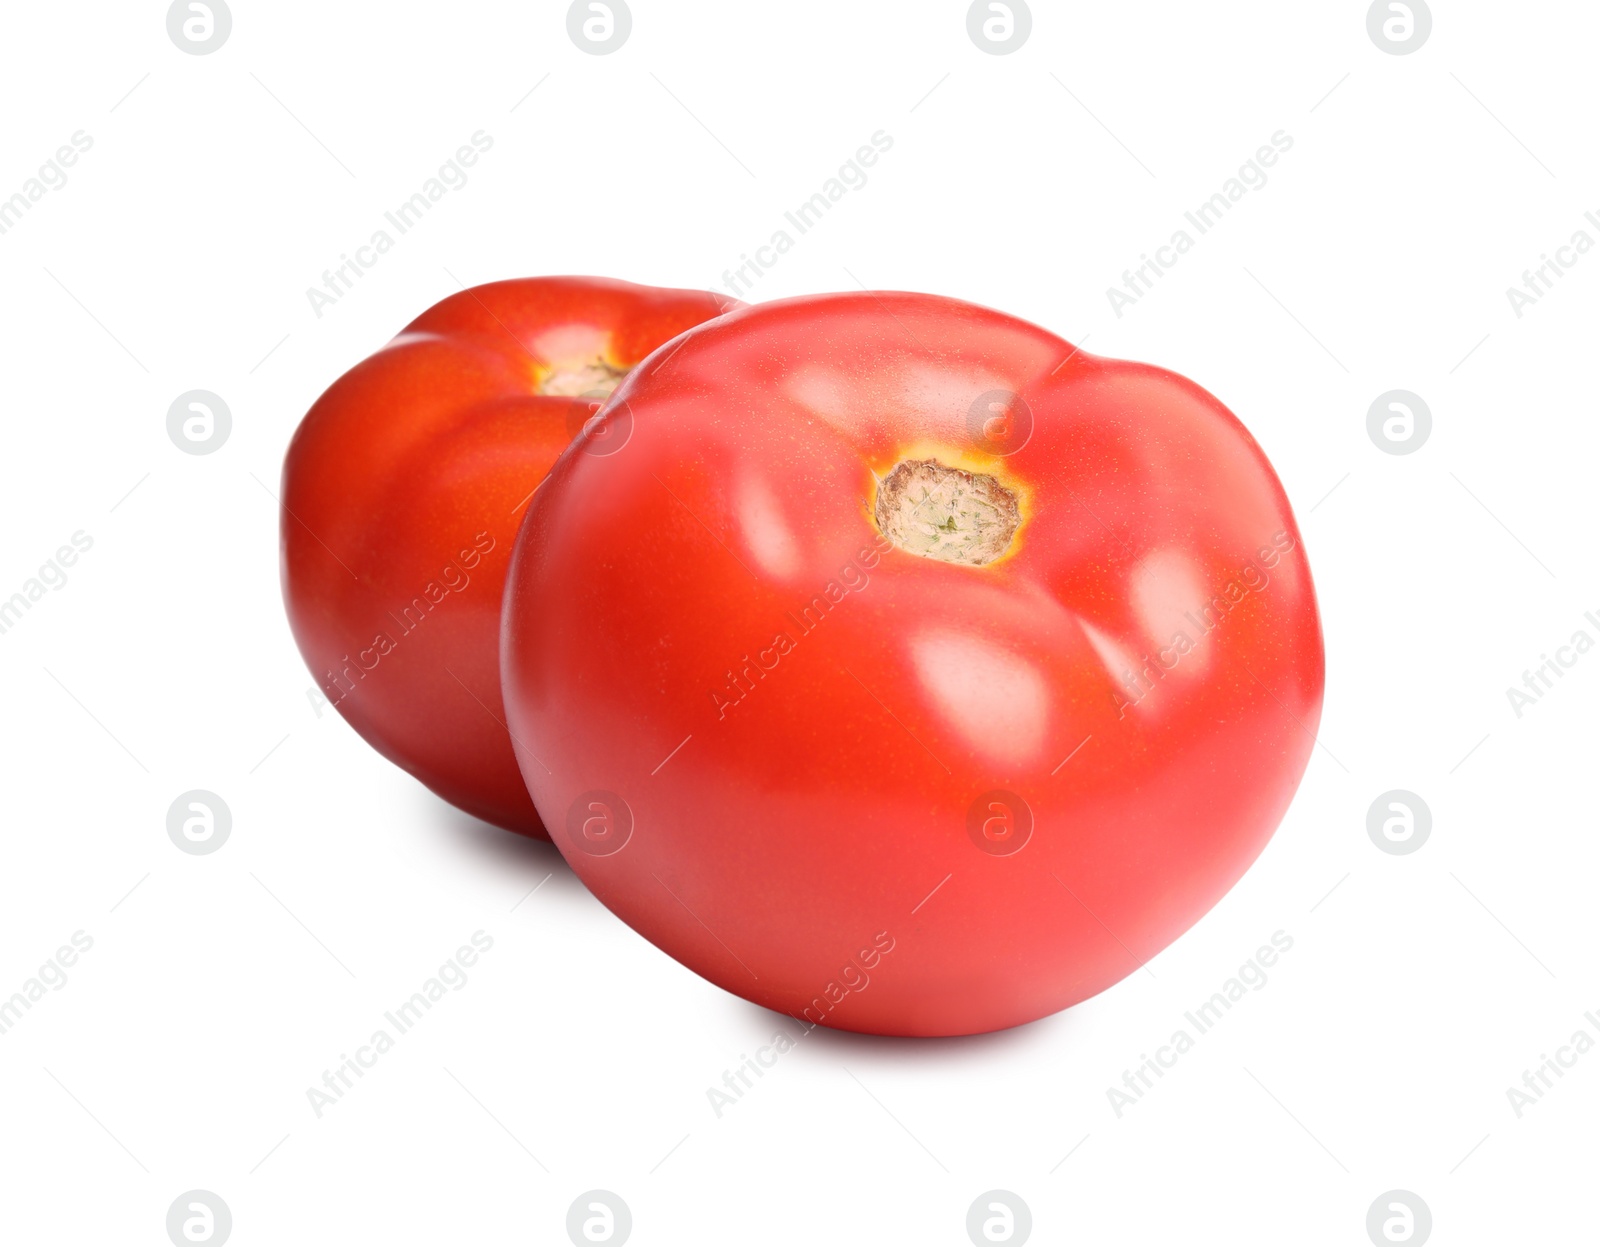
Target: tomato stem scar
x: 572, y: 380
x: 945, y: 513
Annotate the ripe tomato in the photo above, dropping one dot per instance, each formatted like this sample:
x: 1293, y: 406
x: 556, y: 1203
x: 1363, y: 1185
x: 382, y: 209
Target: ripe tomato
x: 908, y: 670
x: 402, y: 491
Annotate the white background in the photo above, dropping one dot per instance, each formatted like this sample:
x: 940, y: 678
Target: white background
x: 219, y: 988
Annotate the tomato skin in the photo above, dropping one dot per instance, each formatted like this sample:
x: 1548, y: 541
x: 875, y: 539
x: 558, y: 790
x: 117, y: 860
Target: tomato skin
x: 402, y: 491
x: 795, y: 729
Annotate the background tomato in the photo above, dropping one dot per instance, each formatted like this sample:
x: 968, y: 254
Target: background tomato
x: 909, y: 670
x: 402, y: 490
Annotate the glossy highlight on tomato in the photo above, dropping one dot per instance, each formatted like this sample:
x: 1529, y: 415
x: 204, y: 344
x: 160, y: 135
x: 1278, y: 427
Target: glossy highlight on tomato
x: 402, y: 492
x: 910, y: 671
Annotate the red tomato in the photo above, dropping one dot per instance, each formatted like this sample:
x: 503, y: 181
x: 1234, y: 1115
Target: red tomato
x: 402, y: 492
x: 907, y: 670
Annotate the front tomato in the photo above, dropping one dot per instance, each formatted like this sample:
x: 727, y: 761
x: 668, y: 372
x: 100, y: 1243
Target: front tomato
x: 402, y: 492
x: 905, y: 669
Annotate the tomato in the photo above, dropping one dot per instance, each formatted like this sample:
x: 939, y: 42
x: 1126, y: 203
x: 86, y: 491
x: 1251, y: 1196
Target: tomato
x: 909, y: 671
x: 402, y: 491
